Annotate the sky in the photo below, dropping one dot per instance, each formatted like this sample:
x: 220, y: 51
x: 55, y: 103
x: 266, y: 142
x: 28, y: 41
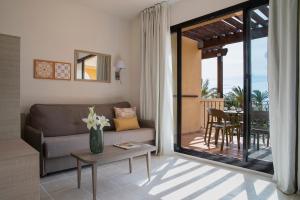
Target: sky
x: 233, y: 66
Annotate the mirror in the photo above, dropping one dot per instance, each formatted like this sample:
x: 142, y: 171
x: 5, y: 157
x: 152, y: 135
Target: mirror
x: 91, y: 66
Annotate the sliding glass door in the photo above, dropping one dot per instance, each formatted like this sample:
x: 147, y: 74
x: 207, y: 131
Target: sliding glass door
x: 220, y: 63
x: 258, y: 140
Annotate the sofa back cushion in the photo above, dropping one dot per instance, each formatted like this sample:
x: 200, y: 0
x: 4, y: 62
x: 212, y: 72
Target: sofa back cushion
x: 66, y: 119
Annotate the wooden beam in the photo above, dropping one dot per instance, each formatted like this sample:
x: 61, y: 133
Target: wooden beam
x: 235, y: 23
x: 213, y: 31
x: 258, y: 19
x: 234, y: 38
x: 239, y: 13
x: 264, y: 10
x: 192, y: 36
x: 259, y: 32
x: 226, y: 28
x: 214, y: 53
x: 220, y: 76
x: 228, y: 39
x: 252, y: 24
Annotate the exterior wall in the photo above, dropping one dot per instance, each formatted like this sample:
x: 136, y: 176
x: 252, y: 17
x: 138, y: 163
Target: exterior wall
x: 191, y: 78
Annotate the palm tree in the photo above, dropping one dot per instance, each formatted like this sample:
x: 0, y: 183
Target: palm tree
x: 238, y: 95
x: 205, y: 89
x: 258, y: 98
x: 206, y: 92
x: 229, y: 100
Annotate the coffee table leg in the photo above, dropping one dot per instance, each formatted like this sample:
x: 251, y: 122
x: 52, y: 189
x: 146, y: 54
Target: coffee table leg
x: 148, y: 159
x: 94, y: 178
x: 130, y: 165
x: 78, y: 173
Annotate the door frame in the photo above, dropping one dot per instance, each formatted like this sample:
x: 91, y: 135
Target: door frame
x: 245, y: 7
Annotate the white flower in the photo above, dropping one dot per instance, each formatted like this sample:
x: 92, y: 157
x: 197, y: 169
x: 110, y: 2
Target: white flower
x: 92, y: 112
x: 102, y: 121
x: 93, y: 121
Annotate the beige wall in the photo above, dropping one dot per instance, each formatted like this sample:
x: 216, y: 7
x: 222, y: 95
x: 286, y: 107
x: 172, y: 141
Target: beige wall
x: 52, y: 30
x: 191, y: 67
x: 191, y: 76
x: 135, y: 68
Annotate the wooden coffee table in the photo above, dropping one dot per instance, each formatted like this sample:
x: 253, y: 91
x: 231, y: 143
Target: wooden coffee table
x: 109, y: 155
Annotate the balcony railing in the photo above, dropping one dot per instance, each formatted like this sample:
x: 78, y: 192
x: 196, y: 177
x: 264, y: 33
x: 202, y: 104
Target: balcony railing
x: 209, y: 103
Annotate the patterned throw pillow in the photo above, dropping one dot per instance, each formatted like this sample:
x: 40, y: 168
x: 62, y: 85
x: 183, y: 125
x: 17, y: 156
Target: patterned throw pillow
x: 125, y: 113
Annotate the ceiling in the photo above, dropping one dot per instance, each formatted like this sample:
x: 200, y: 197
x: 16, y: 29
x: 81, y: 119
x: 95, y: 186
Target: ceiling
x: 123, y: 8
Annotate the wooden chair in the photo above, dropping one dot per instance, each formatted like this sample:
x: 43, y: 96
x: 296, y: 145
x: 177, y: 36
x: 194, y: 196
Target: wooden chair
x: 260, y: 126
x: 224, y: 124
x: 210, y: 121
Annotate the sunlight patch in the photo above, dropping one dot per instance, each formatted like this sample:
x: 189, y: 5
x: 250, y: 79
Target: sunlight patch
x: 146, y: 182
x: 221, y: 187
x: 179, y: 180
x: 162, y: 167
x: 260, y: 185
x: 179, y: 169
x: 195, y: 186
x: 179, y: 161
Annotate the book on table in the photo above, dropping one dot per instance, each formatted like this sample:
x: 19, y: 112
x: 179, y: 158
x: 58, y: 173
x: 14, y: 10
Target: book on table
x: 127, y: 145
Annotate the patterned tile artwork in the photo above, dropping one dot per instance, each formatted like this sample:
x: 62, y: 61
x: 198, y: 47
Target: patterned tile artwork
x: 62, y: 71
x: 44, y: 69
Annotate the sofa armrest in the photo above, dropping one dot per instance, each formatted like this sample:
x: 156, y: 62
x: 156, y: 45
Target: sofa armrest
x: 34, y: 138
x: 147, y: 123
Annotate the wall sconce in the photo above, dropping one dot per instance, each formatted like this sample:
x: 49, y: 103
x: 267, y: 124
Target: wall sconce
x: 119, y: 66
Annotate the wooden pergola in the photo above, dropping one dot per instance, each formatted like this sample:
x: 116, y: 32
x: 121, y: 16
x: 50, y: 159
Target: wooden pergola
x: 213, y: 35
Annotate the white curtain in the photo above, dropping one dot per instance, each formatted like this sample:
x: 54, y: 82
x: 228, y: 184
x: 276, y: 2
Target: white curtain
x: 156, y: 74
x: 283, y: 69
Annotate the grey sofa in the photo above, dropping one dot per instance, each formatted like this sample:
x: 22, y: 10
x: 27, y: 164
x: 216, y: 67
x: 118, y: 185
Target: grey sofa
x: 57, y: 130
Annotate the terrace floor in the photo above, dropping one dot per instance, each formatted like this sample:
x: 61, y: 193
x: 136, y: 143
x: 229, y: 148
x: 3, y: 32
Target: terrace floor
x: 195, y: 141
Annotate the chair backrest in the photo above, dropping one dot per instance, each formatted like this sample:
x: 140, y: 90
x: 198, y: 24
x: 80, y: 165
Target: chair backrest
x: 260, y: 119
x: 218, y: 114
x: 260, y: 115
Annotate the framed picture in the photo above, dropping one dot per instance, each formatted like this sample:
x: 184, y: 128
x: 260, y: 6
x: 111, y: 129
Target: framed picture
x: 43, y: 69
x: 62, y: 71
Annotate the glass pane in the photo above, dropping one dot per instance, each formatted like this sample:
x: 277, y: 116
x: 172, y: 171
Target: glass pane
x: 259, y: 139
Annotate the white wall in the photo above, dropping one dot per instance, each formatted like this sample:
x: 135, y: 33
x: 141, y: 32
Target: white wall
x: 180, y: 11
x: 135, y: 68
x: 52, y: 30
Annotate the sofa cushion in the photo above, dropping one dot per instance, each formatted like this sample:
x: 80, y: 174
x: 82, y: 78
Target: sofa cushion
x: 66, y: 119
x: 143, y: 135
x: 64, y: 145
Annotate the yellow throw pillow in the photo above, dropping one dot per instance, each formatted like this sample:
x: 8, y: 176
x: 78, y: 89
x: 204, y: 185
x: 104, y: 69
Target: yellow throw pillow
x: 126, y: 124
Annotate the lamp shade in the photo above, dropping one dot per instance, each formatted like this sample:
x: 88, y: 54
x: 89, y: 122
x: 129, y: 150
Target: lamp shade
x: 120, y: 64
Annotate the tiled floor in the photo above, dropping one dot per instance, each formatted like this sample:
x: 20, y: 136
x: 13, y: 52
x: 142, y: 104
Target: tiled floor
x: 173, y: 178
x: 196, y: 142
